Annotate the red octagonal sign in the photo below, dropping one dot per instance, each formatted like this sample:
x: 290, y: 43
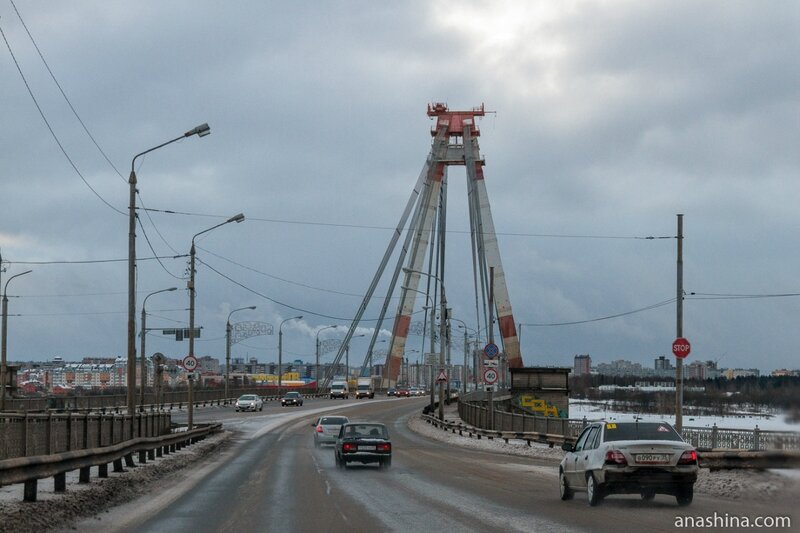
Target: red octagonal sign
x: 681, y: 347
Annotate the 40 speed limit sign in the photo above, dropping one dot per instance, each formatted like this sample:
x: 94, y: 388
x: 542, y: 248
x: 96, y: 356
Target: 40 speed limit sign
x: 190, y: 363
x: 490, y: 376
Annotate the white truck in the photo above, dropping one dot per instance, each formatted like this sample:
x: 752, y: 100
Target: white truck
x: 339, y: 389
x: 364, y: 388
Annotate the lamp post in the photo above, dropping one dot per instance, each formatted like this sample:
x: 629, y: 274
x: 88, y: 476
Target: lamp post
x: 228, y: 348
x: 201, y: 131
x: 433, y: 323
x: 280, y: 351
x: 4, y: 362
x: 464, y: 326
x: 316, y: 375
x: 143, y: 367
x: 442, y: 333
x: 237, y: 218
x: 347, y: 357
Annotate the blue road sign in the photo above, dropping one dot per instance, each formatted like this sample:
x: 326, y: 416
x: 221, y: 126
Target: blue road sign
x: 491, y: 350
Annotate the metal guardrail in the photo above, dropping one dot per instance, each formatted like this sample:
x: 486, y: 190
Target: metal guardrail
x: 29, y: 470
x: 528, y: 437
x: 168, y: 399
x: 702, y: 438
x: 713, y: 460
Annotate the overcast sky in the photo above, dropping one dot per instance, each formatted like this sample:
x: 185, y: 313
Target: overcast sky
x: 610, y: 119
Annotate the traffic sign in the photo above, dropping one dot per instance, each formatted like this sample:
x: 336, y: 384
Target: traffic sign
x: 442, y: 377
x: 190, y: 363
x: 493, y: 363
x: 681, y: 347
x: 491, y: 350
x: 490, y: 376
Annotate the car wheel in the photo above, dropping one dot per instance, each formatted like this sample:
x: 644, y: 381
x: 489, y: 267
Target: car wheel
x: 685, y: 495
x: 563, y: 487
x: 261, y: 408
x: 338, y: 461
x: 648, y: 495
x: 593, y: 490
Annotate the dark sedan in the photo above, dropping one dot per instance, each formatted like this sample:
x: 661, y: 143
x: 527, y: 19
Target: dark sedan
x: 363, y: 442
x: 292, y: 398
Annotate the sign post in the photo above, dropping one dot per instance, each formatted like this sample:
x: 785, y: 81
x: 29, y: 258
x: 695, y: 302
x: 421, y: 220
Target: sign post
x: 490, y: 351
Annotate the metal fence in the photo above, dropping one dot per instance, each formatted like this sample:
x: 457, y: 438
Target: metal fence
x: 29, y: 434
x: 119, y: 401
x: 476, y: 414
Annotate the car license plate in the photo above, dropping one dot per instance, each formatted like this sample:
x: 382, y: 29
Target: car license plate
x: 367, y: 448
x: 651, y: 458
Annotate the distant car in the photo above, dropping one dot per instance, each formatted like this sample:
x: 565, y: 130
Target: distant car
x: 391, y: 392
x: 363, y: 442
x: 249, y: 402
x: 326, y: 429
x: 403, y: 393
x: 415, y: 391
x: 292, y: 398
x: 647, y: 458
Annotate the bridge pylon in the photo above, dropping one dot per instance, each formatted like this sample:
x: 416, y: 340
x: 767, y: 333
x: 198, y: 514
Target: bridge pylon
x: 455, y: 143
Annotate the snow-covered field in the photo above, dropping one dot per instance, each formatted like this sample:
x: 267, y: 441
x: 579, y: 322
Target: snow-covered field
x: 767, y: 422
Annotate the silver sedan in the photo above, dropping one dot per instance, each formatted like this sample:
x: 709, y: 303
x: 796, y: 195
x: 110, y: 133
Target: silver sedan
x: 643, y: 458
x: 326, y: 429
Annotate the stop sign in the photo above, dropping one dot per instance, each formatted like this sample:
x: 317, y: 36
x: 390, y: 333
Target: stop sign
x: 681, y: 347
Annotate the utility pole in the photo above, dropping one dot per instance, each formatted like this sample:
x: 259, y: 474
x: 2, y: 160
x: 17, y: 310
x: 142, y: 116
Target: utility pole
x: 491, y: 341
x: 679, y: 332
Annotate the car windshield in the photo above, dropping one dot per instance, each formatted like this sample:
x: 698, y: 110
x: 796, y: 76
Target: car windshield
x: 292, y: 394
x: 248, y: 398
x: 333, y: 421
x: 640, y: 431
x: 367, y: 430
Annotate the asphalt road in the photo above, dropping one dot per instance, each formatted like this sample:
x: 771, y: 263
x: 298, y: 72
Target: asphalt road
x: 273, y: 479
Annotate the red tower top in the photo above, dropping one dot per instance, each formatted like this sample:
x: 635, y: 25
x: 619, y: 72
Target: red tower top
x: 455, y: 120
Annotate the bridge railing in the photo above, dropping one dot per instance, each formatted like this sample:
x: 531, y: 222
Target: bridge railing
x: 168, y: 399
x: 476, y: 413
x: 31, y: 434
x: 29, y: 470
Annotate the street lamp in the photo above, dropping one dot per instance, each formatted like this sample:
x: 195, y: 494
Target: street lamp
x: 280, y: 351
x: 237, y: 218
x: 143, y: 367
x: 228, y: 347
x: 4, y: 365
x: 347, y: 356
x: 442, y: 333
x: 316, y: 375
x: 201, y: 131
x: 464, y: 325
x: 433, y: 348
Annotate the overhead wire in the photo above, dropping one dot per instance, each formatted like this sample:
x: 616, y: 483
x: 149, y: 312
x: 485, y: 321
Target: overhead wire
x: 89, y: 133
x: 50, y: 128
x: 284, y: 280
x: 649, y: 307
x: 277, y: 302
x: 387, y: 228
x: 66, y: 98
x: 150, y: 245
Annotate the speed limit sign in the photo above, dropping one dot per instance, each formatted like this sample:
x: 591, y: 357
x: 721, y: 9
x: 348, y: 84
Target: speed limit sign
x: 490, y: 376
x: 190, y: 363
